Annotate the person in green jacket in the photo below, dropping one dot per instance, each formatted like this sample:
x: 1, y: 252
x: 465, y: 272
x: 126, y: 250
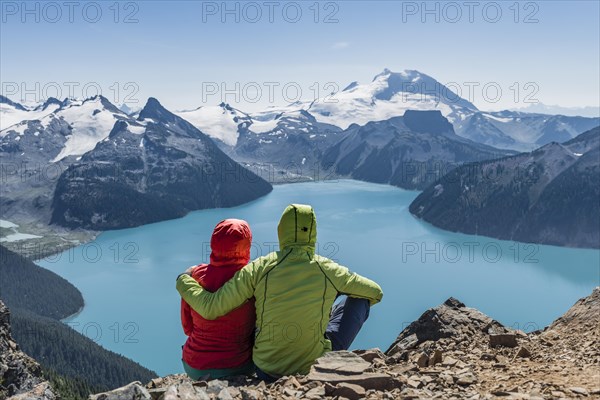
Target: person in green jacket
x: 294, y: 290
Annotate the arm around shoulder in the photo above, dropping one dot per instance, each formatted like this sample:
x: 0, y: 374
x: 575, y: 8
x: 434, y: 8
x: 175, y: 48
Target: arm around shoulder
x: 212, y: 305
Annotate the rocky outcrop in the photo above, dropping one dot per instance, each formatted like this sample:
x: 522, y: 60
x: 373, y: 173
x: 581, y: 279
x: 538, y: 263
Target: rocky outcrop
x: 450, y: 352
x: 20, y: 376
x: 575, y: 337
x: 450, y: 321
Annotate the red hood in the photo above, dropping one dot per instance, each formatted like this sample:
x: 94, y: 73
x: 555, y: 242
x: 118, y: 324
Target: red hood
x: 230, y: 243
x: 225, y: 342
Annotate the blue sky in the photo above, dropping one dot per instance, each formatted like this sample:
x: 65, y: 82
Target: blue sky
x: 175, y: 51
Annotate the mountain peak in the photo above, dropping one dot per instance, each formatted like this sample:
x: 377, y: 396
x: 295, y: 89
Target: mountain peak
x: 352, y: 85
x: 51, y: 100
x: 385, y: 72
x: 414, y: 82
x: 553, y: 150
x: 127, y: 109
x: 6, y: 100
x: 405, y: 81
x: 405, y: 74
x: 154, y: 110
x: 427, y: 122
x: 229, y: 108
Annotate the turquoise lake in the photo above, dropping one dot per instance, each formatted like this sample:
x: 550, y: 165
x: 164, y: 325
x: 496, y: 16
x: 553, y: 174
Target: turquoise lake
x: 127, y: 277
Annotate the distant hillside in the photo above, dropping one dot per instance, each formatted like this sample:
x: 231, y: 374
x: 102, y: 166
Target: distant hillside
x: 548, y: 196
x: 409, y: 152
x: 27, y: 286
x: 75, y: 365
x: 59, y: 348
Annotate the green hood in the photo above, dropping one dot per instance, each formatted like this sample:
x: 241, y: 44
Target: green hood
x: 297, y: 226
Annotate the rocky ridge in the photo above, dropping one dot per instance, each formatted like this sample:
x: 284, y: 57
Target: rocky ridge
x: 20, y: 376
x: 451, y: 352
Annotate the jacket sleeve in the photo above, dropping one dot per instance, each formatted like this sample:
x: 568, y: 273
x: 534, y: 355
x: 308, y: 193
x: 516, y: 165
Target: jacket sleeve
x: 350, y: 283
x: 212, y: 305
x: 186, y: 318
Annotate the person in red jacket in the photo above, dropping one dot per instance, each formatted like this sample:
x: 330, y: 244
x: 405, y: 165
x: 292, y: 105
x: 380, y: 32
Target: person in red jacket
x: 221, y: 347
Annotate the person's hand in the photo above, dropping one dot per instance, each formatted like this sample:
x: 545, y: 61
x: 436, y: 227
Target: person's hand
x: 190, y: 270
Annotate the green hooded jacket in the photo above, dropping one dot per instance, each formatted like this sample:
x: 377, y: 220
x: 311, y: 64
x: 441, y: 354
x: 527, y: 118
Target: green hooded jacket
x: 294, y: 290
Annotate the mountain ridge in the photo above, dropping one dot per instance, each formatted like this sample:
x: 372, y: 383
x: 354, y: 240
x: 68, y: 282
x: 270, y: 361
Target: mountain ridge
x: 388, y: 95
x: 159, y: 170
x: 43, y: 155
x: 280, y: 145
x: 548, y: 196
x: 409, y: 151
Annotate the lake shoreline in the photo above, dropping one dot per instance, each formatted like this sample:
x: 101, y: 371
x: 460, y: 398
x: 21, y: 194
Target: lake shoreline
x: 67, y: 319
x: 94, y: 235
x: 397, y: 250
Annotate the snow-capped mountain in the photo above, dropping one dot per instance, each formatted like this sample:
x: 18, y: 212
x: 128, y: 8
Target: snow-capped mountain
x: 34, y: 152
x: 389, y: 95
x: 154, y: 168
x: 79, y: 148
x: 129, y: 110
x: 5, y: 101
x: 291, y: 145
x: 73, y: 161
x: 51, y: 104
x: 221, y: 122
x: 283, y: 144
x: 547, y: 196
x: 541, y: 108
x: 71, y: 127
x: 12, y: 113
x: 91, y: 120
x: 225, y: 123
x: 392, y: 93
x: 409, y: 151
x: 522, y: 131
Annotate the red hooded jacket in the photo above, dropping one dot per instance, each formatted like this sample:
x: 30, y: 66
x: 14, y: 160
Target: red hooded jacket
x: 225, y: 342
